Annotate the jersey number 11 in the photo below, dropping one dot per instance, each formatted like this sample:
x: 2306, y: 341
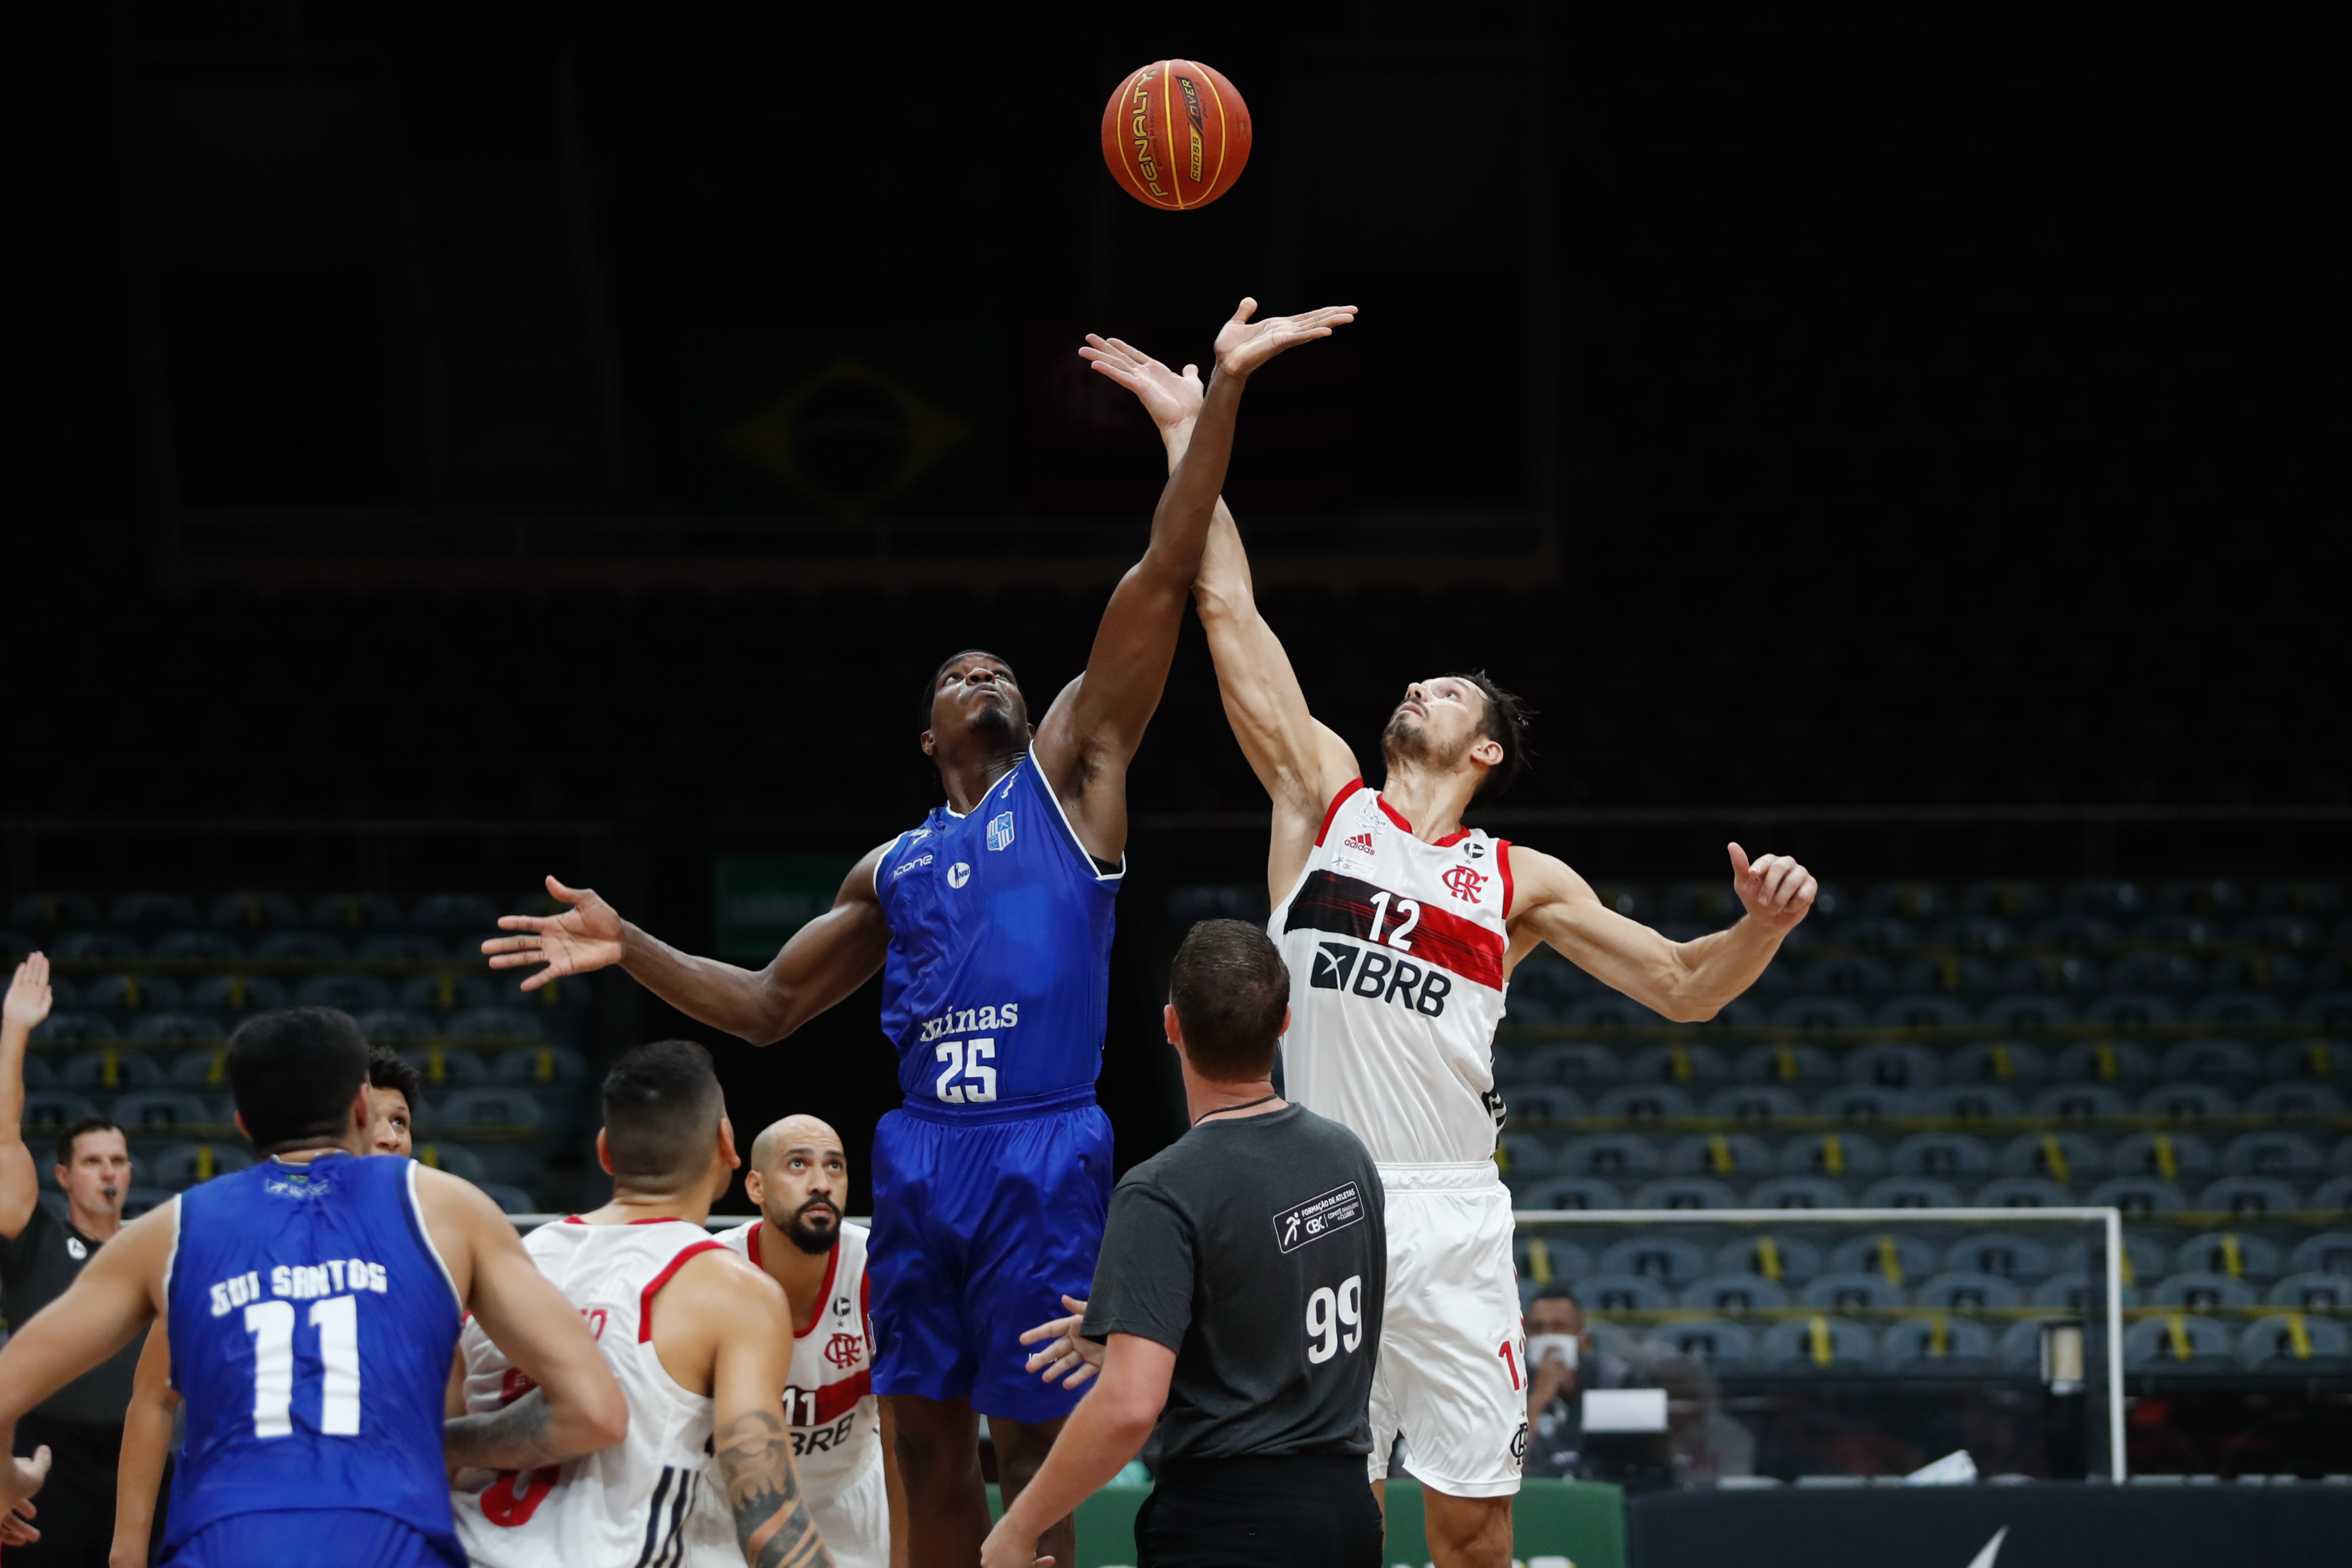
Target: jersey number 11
x: 271, y: 1324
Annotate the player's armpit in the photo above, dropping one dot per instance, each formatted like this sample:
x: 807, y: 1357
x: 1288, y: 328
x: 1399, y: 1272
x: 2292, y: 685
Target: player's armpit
x: 529, y: 1320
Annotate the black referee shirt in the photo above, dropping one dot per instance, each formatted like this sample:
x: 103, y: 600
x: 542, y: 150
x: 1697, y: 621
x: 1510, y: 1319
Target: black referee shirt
x: 36, y: 1265
x: 1254, y: 1247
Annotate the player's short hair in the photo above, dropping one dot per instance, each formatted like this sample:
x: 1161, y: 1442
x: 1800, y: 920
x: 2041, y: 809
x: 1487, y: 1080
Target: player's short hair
x: 931, y: 688
x: 295, y: 1072
x: 79, y: 1125
x: 1229, y: 986
x: 662, y: 1106
x: 387, y: 1069
x: 1556, y: 1292
x: 1505, y: 722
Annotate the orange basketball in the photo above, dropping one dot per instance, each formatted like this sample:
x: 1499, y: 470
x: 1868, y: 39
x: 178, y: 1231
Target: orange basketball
x: 1176, y: 135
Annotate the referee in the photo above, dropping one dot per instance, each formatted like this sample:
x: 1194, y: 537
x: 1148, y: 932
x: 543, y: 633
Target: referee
x: 1236, y: 1302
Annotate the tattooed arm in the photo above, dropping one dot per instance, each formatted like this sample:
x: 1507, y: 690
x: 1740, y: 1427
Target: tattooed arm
x: 519, y: 1437
x: 763, y: 1491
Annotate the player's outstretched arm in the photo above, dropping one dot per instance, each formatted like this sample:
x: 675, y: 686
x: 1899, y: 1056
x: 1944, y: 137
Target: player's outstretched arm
x: 577, y: 1406
x: 118, y: 1293
x: 1107, y: 1429
x: 146, y: 1445
x: 21, y: 1011
x: 823, y: 962
x: 1687, y: 982
x: 1301, y: 762
x: 1091, y: 732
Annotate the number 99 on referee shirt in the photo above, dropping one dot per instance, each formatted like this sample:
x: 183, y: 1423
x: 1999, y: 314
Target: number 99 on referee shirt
x: 1328, y: 1313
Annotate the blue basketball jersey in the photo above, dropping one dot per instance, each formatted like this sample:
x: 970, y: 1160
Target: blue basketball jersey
x: 998, y: 981
x: 312, y: 1325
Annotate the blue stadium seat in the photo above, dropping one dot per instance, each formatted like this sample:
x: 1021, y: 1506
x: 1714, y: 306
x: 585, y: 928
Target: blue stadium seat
x: 2211, y: 1061
x: 2075, y: 933
x: 131, y: 993
x: 1691, y: 1068
x: 460, y: 913
x: 300, y: 947
x: 2146, y: 1257
x: 407, y: 947
x: 2078, y: 1290
x: 253, y: 913
x: 37, y: 1073
x: 448, y: 1067
x: 1937, y: 1344
x: 183, y: 1165
x: 1610, y: 1012
x: 2310, y: 1293
x: 151, y: 911
x: 1789, y: 1259
x: 1895, y: 1067
x: 138, y: 1200
x: 48, y: 1110
x: 2005, y: 900
x: 1839, y: 1156
x: 1850, y: 976
x: 1970, y: 1102
x: 2079, y: 1102
x: 2336, y: 1193
x: 1732, y: 1294
x: 350, y: 993
x: 1832, y: 1343
x: 2236, y: 1008
x: 1863, y: 1103
x: 1817, y: 1012
x: 1684, y: 1193
x: 1578, y: 1193
x: 455, y: 1158
x: 356, y: 913
x: 2315, y: 1060
x: 2023, y: 1193
x: 95, y: 947
x: 2293, y: 1156
x: 2162, y: 972
x: 1544, y: 1255
x: 48, y: 911
x: 74, y: 1029
x: 448, y: 990
x: 2292, y: 1342
x: 1852, y: 1292
x: 486, y: 1107
x: 1645, y: 1102
x: 2202, y: 1292
x: 111, y: 1072
x: 2168, y: 1156
x: 2138, y: 1195
x: 2240, y: 1254
x: 2025, y: 1012
x: 2071, y: 1158
x: 154, y: 1110
x: 1947, y: 974
x: 175, y: 1028
x: 1707, y: 1339
x: 2117, y: 1062
x: 1756, y: 1102
x: 2002, y: 1253
x: 1977, y: 934
x: 201, y: 1070
x: 385, y: 1025
x: 229, y: 994
x: 2006, y: 1063
x: 1788, y: 1067
x: 2248, y: 1196
x: 493, y: 1024
x: 1948, y: 1156
x: 2330, y: 1252
x: 2328, y: 1010
x: 2296, y: 1100
x: 1799, y: 1193
x: 2188, y: 1102
x: 510, y: 1199
x: 1870, y: 1252
x: 1672, y: 1260
x: 1966, y: 1292
x: 2127, y: 1011
x: 1621, y: 1293
x: 2160, y: 1343
x: 1910, y: 1193
x: 1526, y: 1102
x: 1730, y: 1155
x: 1523, y: 1155
x: 206, y: 947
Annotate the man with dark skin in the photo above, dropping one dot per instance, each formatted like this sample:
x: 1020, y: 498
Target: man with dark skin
x: 992, y: 1184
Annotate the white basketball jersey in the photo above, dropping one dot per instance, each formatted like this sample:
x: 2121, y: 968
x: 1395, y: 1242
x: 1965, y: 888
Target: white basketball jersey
x: 830, y: 1407
x: 630, y: 1502
x: 1396, y: 951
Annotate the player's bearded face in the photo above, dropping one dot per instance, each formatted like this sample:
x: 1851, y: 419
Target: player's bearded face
x: 1424, y: 742
x: 815, y: 1226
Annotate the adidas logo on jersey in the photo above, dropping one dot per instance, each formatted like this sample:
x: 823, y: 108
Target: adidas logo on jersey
x: 1361, y: 843
x: 1360, y: 972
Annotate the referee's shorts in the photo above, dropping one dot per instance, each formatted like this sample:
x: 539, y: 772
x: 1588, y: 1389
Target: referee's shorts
x: 1290, y: 1510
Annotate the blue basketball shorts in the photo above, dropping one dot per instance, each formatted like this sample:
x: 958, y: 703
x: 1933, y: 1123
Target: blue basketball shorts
x: 304, y: 1538
x: 980, y: 1227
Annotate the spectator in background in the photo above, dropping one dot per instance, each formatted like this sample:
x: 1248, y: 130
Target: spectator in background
x: 1560, y: 1376
x: 41, y: 1254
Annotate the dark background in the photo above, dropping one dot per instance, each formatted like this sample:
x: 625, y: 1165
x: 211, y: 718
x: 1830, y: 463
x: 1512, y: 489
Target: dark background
x: 1920, y: 411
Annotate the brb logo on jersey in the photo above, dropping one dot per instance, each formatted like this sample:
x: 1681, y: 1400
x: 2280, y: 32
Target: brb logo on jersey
x: 1000, y: 831
x: 1465, y: 884
x: 1343, y: 966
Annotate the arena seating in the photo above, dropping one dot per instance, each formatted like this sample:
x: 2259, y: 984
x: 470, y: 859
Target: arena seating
x: 2183, y: 1052
x: 149, y: 985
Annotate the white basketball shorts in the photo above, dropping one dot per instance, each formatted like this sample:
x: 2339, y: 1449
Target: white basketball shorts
x: 1451, y: 1373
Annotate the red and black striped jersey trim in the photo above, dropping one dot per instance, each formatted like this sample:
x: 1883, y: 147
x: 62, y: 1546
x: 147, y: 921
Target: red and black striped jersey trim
x: 1343, y: 905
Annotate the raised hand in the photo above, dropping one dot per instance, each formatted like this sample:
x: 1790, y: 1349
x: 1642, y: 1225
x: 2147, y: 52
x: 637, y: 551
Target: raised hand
x: 1776, y: 890
x: 1067, y: 1349
x: 1242, y: 344
x: 28, y: 994
x: 582, y: 939
x: 1170, y: 399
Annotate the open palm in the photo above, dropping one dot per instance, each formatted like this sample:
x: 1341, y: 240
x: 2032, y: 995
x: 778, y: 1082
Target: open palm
x: 582, y: 939
x: 28, y: 994
x: 1243, y: 345
x: 1169, y: 398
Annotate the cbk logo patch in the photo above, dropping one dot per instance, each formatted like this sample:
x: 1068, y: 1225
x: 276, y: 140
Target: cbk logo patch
x: 1000, y: 831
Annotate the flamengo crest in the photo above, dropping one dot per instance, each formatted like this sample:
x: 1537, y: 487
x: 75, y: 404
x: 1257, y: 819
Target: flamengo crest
x: 1465, y: 883
x: 842, y: 1349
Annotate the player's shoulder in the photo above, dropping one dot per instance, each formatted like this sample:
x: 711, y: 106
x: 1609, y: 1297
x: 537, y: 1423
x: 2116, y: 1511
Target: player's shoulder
x: 714, y: 1275
x: 737, y: 1238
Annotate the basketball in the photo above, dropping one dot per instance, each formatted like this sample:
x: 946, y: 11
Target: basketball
x: 1176, y: 135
